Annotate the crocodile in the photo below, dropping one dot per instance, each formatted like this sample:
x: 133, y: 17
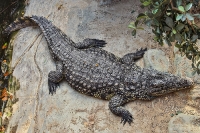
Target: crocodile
x: 93, y: 71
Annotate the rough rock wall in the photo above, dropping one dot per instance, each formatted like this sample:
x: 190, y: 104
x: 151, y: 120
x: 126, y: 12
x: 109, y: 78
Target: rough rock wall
x: 68, y: 111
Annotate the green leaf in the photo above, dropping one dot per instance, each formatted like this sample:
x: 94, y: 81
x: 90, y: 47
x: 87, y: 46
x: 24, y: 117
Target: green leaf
x: 178, y: 37
x: 133, y: 11
x: 146, y: 3
x: 181, y: 8
x: 177, y: 45
x: 166, y: 28
x: 132, y: 25
x: 154, y: 31
x: 133, y: 32
x: 189, y: 56
x: 155, y: 22
x: 172, y: 38
x: 179, y: 27
x: 171, y: 34
x: 4, y: 46
x: 183, y: 18
x: 194, y: 38
x: 174, y: 31
x: 188, y: 6
x: 168, y: 13
x: 179, y: 16
x: 183, y: 43
x: 189, y: 16
x: 198, y: 64
x: 157, y: 4
x: 197, y: 57
x: 148, y: 22
x: 193, y: 65
x: 168, y: 42
x: 136, y: 23
x: 178, y: 2
x: 169, y: 22
x: 194, y: 72
x: 141, y: 16
x: 154, y: 11
x: 141, y: 28
x: 155, y: 38
x: 160, y: 41
x: 186, y: 28
x: 158, y: 30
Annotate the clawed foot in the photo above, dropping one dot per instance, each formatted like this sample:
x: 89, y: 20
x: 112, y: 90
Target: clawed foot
x: 99, y: 43
x: 141, y: 51
x: 126, y: 117
x: 52, y: 87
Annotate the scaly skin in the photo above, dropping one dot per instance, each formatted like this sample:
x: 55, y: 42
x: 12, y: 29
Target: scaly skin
x: 95, y: 72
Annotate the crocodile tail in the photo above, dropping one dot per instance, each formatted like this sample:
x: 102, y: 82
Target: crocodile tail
x: 19, y: 23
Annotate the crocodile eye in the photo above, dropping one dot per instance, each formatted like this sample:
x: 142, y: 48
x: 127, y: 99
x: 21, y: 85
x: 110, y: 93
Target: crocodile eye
x: 157, y: 83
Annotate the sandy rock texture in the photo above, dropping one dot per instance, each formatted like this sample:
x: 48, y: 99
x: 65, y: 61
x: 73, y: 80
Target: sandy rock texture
x: 70, y: 112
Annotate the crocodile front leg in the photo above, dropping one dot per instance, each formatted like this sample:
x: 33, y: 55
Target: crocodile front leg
x: 132, y: 57
x: 54, y: 77
x: 115, y: 105
x: 87, y: 43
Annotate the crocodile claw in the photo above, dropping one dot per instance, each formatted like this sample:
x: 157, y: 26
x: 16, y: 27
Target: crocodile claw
x: 99, y: 43
x: 52, y: 87
x: 140, y: 52
x: 126, y: 117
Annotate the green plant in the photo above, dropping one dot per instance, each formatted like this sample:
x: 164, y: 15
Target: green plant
x: 173, y: 21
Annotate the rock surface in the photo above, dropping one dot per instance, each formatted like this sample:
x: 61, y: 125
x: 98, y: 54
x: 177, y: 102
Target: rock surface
x: 184, y: 124
x: 156, y: 59
x: 68, y: 111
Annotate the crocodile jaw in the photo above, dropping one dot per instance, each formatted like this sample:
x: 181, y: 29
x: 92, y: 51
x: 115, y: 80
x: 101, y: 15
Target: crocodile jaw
x: 176, y: 86
x: 161, y: 83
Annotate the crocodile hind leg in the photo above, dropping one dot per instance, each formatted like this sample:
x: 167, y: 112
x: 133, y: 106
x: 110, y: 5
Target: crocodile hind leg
x: 87, y: 43
x: 54, y: 77
x: 115, y: 105
x: 132, y: 57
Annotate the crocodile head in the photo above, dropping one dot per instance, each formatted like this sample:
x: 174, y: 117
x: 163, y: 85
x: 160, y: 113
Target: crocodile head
x: 160, y: 83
